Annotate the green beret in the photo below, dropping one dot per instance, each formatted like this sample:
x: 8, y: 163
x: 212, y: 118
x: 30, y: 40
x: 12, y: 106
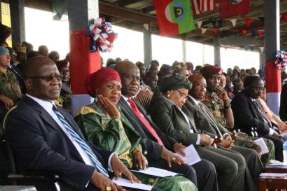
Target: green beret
x: 173, y: 83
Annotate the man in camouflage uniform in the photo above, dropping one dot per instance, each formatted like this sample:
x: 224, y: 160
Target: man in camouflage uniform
x: 10, y: 91
x: 219, y: 103
x: 217, y: 99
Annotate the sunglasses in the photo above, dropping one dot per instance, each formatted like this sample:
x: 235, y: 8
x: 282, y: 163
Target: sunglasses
x: 48, y: 77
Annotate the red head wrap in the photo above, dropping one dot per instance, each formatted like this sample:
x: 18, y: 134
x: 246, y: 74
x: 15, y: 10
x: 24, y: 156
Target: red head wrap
x: 100, y: 77
x: 208, y: 71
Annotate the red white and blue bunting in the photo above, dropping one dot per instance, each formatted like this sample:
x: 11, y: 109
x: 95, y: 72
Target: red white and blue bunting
x: 280, y: 59
x: 101, y: 34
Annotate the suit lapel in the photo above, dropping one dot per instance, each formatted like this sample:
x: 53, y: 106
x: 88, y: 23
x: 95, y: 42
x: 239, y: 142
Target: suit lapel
x: 145, y: 114
x: 42, y: 112
x: 253, y: 109
x: 132, y: 118
x: 46, y: 117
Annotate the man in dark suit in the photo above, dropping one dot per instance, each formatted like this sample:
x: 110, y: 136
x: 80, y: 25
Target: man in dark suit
x: 166, y: 111
x: 250, y: 118
x: 46, y: 140
x: 137, y: 116
x: 202, y: 118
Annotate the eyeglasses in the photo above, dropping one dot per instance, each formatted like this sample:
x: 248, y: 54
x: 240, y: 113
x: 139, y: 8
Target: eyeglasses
x: 47, y: 78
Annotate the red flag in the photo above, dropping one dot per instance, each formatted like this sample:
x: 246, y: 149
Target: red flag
x: 174, y: 16
x: 230, y: 8
x: 202, y: 6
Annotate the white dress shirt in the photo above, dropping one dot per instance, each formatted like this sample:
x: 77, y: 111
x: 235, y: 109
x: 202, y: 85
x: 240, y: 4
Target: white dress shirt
x: 48, y: 106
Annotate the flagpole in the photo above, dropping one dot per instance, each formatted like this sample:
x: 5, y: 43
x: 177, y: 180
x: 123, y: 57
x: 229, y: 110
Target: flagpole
x: 184, y: 51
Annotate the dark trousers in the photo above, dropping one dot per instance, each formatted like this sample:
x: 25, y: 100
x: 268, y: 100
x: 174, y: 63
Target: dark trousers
x: 231, y: 168
x: 202, y: 174
x: 278, y: 143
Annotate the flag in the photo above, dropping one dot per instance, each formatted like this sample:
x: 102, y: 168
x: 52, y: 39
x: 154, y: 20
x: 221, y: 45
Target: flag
x: 273, y: 85
x: 174, y: 16
x: 202, y: 6
x: 230, y: 8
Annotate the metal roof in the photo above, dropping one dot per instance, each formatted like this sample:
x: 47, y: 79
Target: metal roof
x: 133, y: 14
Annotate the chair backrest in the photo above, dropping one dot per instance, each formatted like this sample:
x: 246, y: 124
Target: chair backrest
x: 6, y: 145
x: 10, y: 174
x: 7, y: 162
x: 5, y: 168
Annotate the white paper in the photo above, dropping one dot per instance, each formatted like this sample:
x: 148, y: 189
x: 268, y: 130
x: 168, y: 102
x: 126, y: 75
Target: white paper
x: 191, y: 156
x: 261, y: 143
x: 126, y: 183
x: 158, y: 172
x: 273, y: 175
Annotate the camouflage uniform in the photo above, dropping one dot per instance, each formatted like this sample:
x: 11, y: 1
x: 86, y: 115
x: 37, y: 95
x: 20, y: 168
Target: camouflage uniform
x: 9, y: 86
x: 216, y: 105
x: 64, y: 100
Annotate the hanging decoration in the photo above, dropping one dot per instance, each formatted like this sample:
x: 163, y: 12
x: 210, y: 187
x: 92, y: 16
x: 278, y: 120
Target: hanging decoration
x: 233, y: 22
x: 248, y: 21
x: 199, y: 24
x: 203, y: 30
x: 101, y: 34
x: 280, y: 59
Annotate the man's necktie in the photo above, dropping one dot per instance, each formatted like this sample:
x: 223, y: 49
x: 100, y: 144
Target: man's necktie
x: 261, y: 112
x: 85, y: 147
x: 144, y: 121
x: 205, y: 111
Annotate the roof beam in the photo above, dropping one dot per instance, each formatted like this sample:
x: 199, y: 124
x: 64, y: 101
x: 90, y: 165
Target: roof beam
x: 124, y: 13
x: 124, y: 3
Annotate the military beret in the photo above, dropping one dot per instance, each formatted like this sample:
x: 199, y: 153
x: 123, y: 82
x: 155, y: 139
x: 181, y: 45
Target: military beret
x: 208, y: 71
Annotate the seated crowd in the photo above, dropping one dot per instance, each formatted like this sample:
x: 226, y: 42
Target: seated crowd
x: 139, y: 118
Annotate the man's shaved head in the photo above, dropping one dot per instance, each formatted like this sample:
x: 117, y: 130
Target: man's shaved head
x: 35, y: 63
x: 130, y: 77
x: 125, y: 65
x: 42, y: 78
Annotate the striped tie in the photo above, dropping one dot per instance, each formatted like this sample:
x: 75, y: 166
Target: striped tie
x: 75, y: 136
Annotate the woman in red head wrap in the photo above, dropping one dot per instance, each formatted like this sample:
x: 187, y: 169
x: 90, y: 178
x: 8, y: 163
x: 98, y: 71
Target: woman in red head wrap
x: 103, y: 125
x: 107, y: 83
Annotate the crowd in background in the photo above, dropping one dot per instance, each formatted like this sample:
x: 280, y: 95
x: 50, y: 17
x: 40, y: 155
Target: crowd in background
x: 231, y: 79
